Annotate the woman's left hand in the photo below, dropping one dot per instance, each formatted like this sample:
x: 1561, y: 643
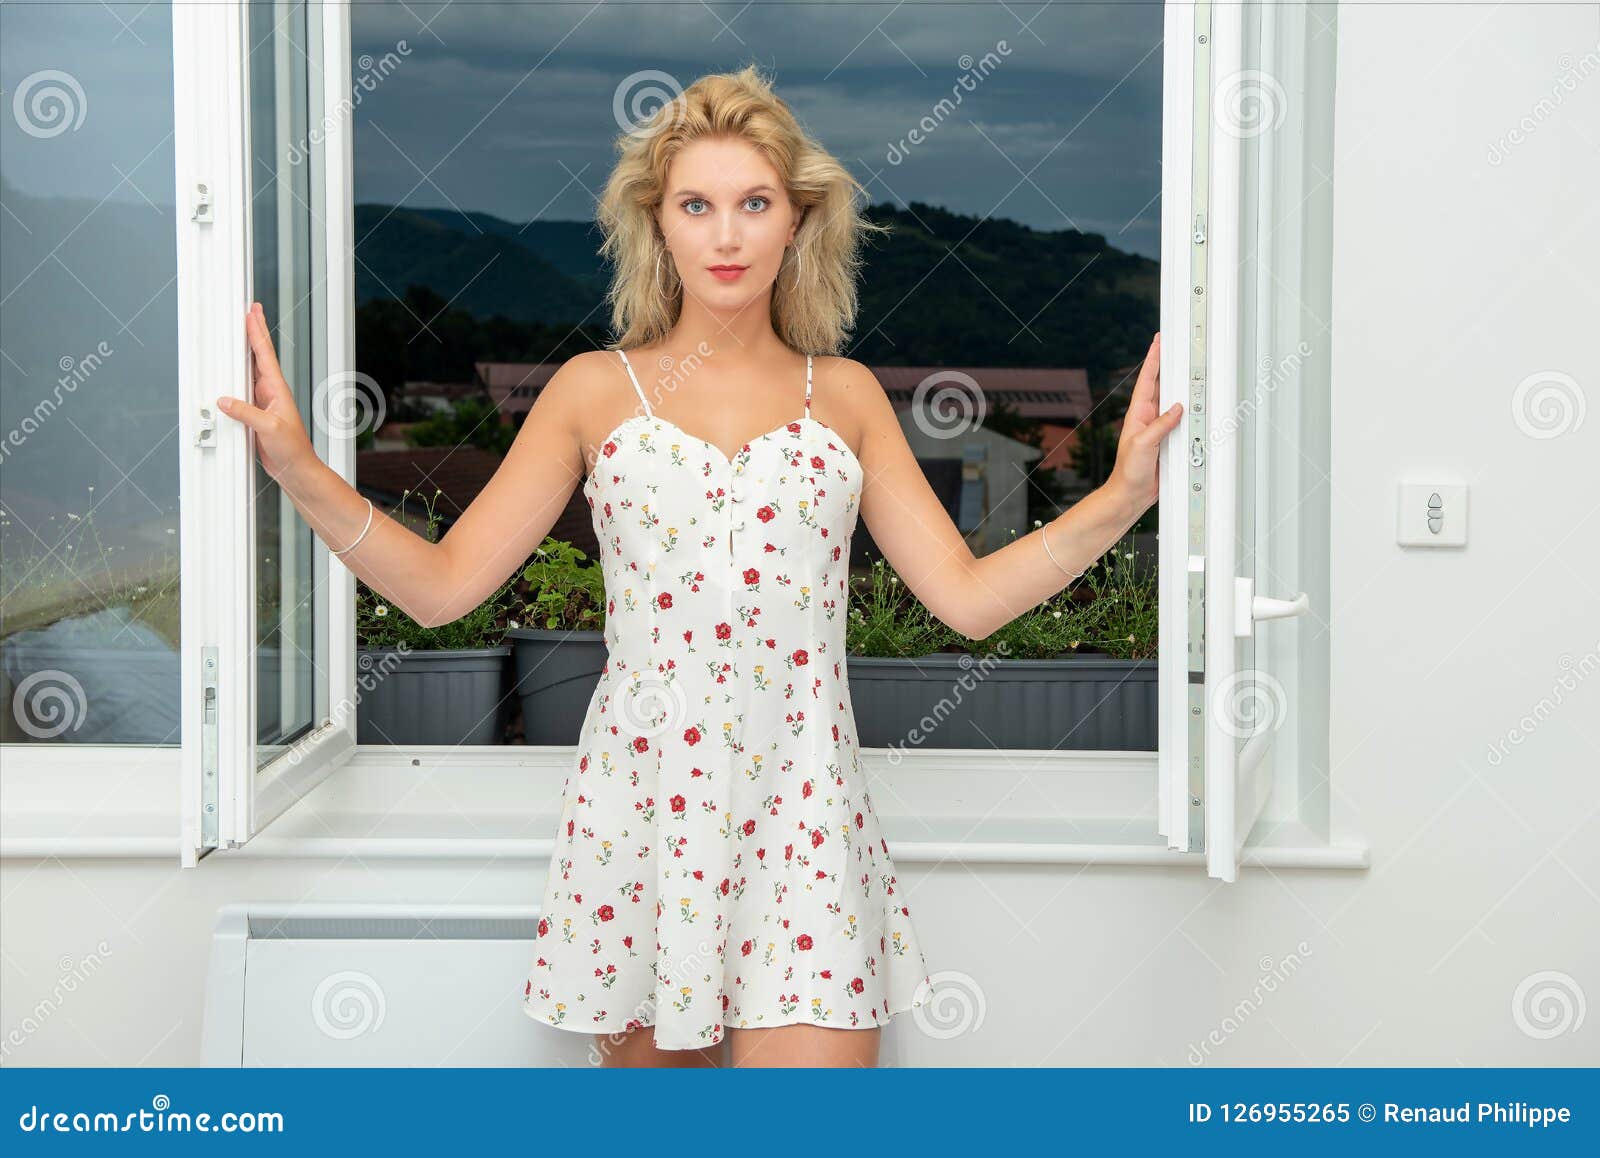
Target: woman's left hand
x: 1135, y: 474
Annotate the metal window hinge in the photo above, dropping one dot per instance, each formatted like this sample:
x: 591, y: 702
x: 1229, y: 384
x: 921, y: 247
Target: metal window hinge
x: 205, y: 431
x: 209, y: 665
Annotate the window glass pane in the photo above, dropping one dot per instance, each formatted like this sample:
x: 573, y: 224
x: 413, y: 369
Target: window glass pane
x: 1014, y: 158
x: 89, y: 608
x: 291, y: 675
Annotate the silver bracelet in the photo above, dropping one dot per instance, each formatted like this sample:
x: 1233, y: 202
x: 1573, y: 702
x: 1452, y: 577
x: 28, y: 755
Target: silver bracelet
x: 363, y: 533
x: 1043, y: 538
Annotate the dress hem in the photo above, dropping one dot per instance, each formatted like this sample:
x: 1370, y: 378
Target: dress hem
x: 600, y: 1031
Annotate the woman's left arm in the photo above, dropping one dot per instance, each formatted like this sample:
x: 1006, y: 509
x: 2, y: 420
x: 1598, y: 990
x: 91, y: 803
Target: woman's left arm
x: 976, y: 596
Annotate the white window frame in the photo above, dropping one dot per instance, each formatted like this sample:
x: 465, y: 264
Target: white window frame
x: 219, y: 583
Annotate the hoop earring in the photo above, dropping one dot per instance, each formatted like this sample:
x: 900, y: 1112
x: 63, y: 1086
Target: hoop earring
x: 660, y: 253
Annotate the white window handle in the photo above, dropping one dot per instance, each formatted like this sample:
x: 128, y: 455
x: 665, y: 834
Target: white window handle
x: 1248, y: 607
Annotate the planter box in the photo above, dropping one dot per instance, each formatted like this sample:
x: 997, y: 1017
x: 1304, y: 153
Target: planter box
x: 432, y: 697
x: 556, y: 673
x: 948, y: 700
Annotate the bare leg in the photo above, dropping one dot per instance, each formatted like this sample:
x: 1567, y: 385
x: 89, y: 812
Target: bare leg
x: 804, y: 1045
x: 636, y: 1048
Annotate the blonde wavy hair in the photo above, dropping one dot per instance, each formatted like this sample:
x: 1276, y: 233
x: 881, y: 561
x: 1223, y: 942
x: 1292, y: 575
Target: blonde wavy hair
x: 814, y: 299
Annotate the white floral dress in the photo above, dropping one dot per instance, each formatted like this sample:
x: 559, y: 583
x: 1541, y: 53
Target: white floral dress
x: 717, y: 861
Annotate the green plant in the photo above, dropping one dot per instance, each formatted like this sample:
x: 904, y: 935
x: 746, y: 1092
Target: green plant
x: 381, y: 624
x: 562, y: 593
x: 886, y: 619
x: 1110, y: 610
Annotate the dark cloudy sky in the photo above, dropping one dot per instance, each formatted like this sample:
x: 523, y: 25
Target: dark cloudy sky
x: 508, y: 108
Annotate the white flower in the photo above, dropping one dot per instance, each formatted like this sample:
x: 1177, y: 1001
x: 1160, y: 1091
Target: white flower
x: 380, y: 611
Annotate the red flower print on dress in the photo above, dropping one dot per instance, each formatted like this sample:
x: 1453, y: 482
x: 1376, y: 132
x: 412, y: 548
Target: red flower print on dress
x: 609, y: 449
x: 678, y: 803
x: 664, y: 600
x: 766, y: 514
x: 803, y: 941
x: 605, y: 912
x: 691, y: 735
x: 817, y: 462
x: 751, y: 576
x: 641, y: 744
x: 800, y: 657
x: 749, y: 828
x: 724, y: 631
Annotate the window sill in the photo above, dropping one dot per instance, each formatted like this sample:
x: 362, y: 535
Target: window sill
x: 453, y: 803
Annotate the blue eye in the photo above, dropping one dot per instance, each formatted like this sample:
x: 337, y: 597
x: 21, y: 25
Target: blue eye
x: 692, y: 201
x: 755, y: 197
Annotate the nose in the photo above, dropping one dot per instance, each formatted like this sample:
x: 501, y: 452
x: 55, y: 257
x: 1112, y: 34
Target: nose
x: 728, y: 232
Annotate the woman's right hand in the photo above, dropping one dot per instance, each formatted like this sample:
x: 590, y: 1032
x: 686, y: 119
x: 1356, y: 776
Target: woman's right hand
x: 281, y: 438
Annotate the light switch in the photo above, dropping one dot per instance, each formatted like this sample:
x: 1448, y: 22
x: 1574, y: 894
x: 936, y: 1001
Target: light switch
x: 1432, y: 514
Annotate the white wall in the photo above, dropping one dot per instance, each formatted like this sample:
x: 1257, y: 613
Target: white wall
x: 1455, y: 280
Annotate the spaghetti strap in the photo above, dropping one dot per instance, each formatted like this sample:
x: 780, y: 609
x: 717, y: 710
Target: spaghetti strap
x: 808, y: 386
x: 637, y: 388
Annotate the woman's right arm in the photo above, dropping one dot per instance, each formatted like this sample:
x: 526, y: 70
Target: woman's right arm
x: 439, y: 582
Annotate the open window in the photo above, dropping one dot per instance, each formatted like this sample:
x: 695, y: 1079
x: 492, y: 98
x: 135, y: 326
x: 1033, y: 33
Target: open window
x: 265, y: 213
x: 1243, y: 538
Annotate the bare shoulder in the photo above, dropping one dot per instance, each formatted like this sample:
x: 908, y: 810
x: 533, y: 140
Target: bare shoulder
x: 850, y: 391
x: 586, y: 380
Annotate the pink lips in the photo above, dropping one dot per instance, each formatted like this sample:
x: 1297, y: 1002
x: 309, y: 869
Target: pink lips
x: 727, y: 272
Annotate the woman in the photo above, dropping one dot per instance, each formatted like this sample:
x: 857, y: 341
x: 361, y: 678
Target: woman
x: 719, y: 872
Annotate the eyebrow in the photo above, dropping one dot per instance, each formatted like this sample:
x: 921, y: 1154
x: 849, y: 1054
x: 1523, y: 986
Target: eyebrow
x: 697, y: 193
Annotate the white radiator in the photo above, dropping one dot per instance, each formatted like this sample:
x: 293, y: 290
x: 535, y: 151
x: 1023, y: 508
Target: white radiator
x: 376, y: 985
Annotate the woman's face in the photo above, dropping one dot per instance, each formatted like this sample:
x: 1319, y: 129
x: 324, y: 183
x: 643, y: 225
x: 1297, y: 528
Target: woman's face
x: 726, y: 220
